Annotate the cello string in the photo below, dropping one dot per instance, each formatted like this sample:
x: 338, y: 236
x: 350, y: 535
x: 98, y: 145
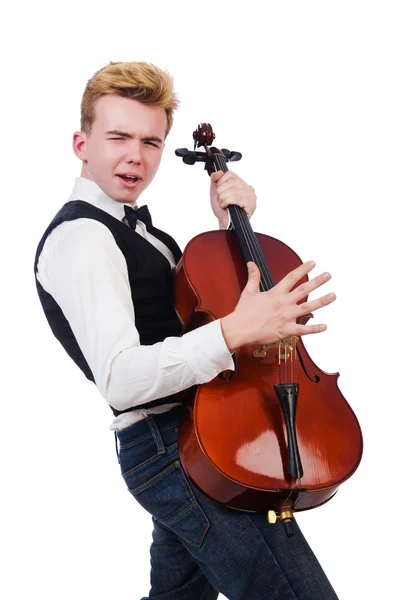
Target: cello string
x: 249, y: 237
x: 255, y: 250
x: 279, y: 363
x: 292, y: 362
x: 257, y: 255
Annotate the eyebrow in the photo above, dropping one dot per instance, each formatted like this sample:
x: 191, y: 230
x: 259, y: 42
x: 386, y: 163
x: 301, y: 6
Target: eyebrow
x: 124, y: 134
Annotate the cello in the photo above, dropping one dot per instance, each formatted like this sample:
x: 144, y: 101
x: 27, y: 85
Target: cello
x: 276, y: 434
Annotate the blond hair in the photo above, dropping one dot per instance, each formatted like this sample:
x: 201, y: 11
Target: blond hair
x: 135, y: 80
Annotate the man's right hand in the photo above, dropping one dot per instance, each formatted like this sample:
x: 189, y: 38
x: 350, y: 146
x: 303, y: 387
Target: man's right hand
x: 268, y: 317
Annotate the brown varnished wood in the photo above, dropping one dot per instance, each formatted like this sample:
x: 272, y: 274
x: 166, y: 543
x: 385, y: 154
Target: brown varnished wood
x: 233, y: 442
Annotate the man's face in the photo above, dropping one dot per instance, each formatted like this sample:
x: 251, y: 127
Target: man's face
x: 123, y: 151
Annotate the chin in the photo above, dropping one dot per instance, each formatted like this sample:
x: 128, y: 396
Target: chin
x: 126, y: 198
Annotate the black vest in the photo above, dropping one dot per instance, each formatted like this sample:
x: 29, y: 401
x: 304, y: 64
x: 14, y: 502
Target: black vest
x: 150, y: 278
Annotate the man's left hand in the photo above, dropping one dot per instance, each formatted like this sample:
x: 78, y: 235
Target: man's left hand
x: 228, y: 188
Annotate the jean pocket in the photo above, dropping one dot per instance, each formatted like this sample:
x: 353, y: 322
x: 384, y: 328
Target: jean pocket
x: 169, y: 498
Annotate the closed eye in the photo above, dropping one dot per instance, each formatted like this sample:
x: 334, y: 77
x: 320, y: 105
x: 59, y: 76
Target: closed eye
x: 148, y: 142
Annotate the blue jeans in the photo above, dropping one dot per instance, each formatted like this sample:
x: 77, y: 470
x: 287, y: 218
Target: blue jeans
x: 201, y: 548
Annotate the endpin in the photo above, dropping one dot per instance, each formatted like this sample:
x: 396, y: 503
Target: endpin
x: 285, y: 516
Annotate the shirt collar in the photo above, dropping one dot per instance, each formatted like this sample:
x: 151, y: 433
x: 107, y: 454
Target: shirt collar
x: 89, y: 191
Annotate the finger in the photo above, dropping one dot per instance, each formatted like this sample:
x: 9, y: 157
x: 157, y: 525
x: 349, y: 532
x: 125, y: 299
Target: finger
x: 307, y: 329
x: 237, y: 197
x: 308, y: 307
x: 229, y: 176
x: 233, y: 199
x: 230, y: 184
x: 306, y: 288
x: 249, y: 210
x: 215, y: 177
x: 294, y: 276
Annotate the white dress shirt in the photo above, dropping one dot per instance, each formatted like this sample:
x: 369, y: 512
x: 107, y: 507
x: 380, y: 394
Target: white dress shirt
x: 85, y: 272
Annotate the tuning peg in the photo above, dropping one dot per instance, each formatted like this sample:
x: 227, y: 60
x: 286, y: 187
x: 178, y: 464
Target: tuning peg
x: 190, y: 158
x: 233, y: 156
x: 181, y: 151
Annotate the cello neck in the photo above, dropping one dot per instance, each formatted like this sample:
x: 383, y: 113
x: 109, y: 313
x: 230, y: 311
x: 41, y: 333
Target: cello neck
x: 246, y: 237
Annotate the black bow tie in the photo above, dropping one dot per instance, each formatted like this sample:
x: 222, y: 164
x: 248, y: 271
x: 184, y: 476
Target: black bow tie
x: 132, y: 214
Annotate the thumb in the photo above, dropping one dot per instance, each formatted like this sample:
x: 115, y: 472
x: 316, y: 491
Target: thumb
x: 215, y: 177
x: 254, y: 278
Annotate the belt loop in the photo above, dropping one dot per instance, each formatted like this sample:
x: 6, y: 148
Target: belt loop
x: 117, y: 449
x: 155, y: 431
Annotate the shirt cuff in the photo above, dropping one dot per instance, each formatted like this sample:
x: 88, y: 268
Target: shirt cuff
x: 206, y: 351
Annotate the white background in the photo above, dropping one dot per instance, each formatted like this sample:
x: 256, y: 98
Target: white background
x: 307, y: 92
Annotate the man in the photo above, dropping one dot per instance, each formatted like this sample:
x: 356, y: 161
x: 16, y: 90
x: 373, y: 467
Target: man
x: 104, y: 278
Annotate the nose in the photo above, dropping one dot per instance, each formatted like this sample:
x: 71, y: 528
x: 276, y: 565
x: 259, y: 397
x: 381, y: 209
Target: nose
x: 134, y: 152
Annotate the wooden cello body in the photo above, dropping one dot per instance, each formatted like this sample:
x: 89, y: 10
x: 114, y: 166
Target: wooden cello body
x: 277, y: 433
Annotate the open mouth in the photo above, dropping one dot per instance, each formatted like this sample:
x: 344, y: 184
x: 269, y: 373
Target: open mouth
x: 130, y: 178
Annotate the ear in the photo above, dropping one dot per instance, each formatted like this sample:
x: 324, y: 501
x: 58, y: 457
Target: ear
x: 79, y: 144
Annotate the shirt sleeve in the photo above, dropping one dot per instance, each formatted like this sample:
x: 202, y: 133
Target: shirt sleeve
x: 85, y: 272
